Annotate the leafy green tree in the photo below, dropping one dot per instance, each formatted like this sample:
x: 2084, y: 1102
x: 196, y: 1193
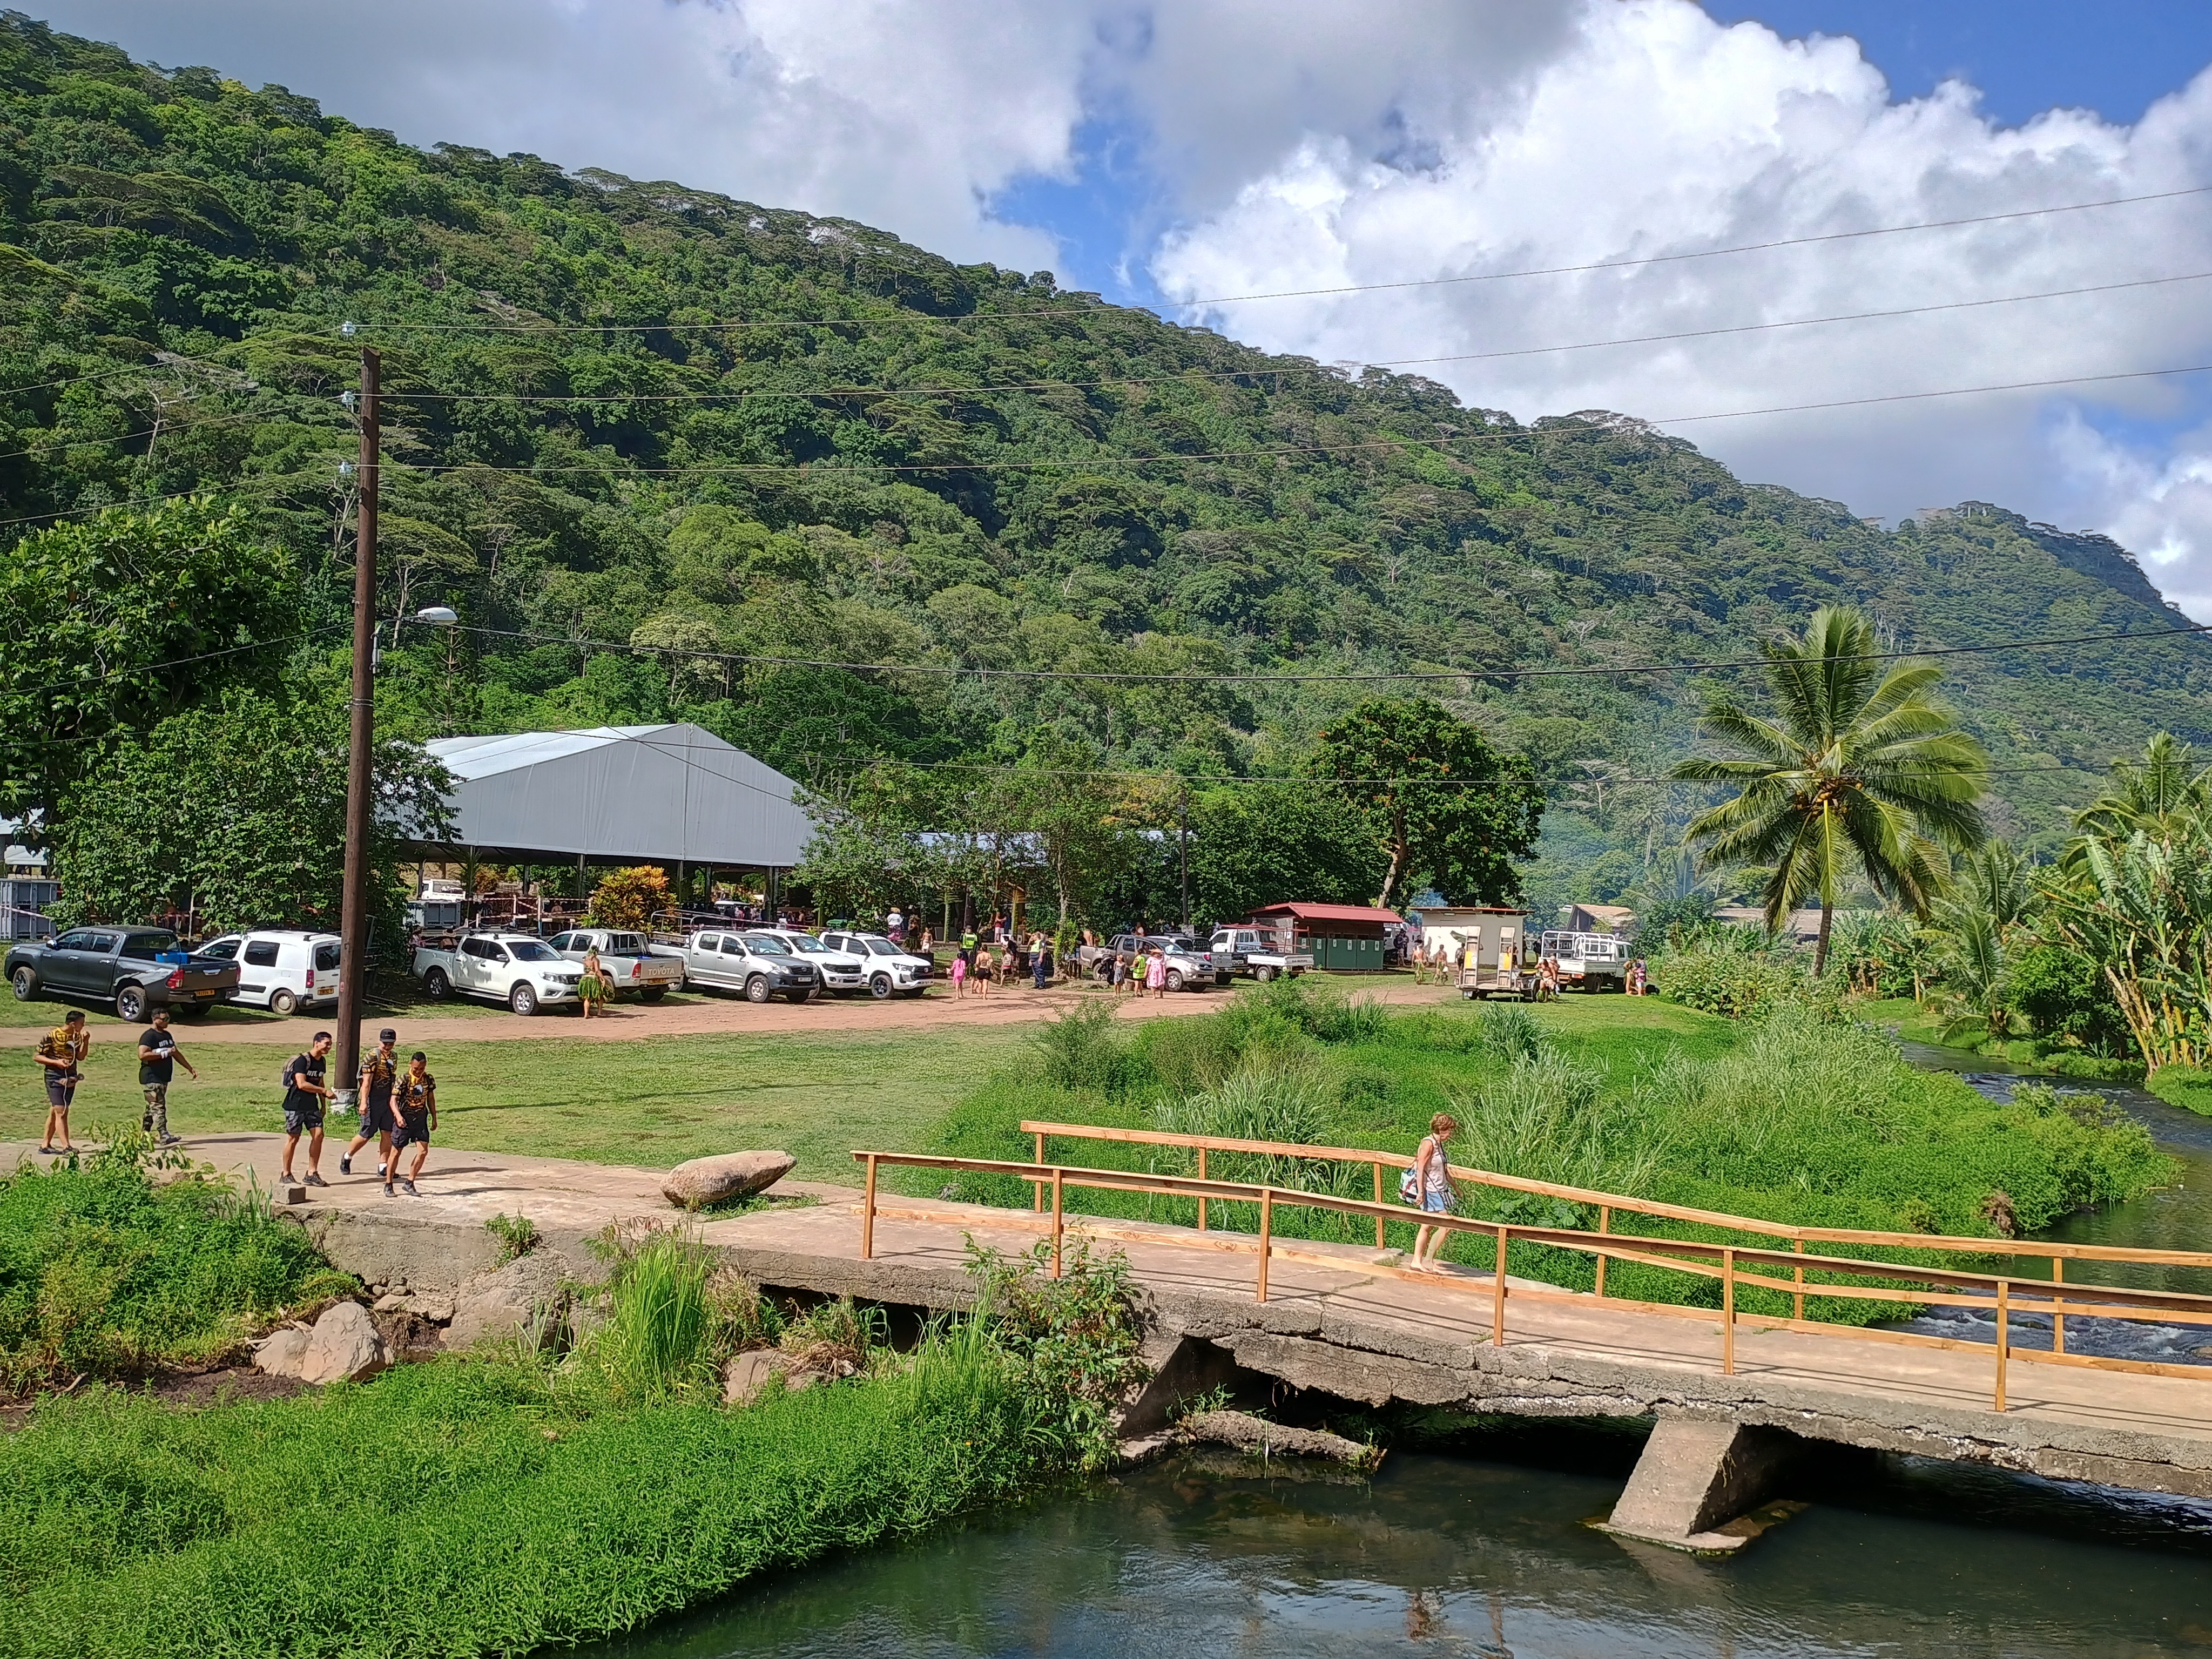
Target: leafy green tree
x: 1860, y: 773
x: 234, y: 815
x: 2162, y: 795
x: 110, y: 624
x: 1271, y: 841
x: 631, y: 897
x: 1442, y: 804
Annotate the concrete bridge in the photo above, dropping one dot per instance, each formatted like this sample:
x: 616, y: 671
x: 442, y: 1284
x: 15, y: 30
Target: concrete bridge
x: 1732, y: 1393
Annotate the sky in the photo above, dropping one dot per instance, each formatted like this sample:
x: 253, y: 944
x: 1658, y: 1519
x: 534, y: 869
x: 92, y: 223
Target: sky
x: 1180, y: 155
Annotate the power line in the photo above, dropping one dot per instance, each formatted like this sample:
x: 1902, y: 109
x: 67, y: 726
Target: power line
x: 172, y: 662
x: 1710, y: 665
x: 908, y: 319
x: 270, y: 485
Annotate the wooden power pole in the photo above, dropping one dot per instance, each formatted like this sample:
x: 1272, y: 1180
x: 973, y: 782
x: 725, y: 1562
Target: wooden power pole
x: 361, y: 709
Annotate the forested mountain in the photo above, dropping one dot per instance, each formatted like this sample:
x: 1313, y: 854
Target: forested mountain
x: 623, y: 413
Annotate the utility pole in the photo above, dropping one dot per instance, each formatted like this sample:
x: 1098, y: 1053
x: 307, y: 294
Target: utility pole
x: 1184, y: 805
x: 361, y: 709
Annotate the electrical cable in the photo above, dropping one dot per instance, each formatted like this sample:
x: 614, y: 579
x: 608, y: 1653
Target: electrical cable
x: 243, y: 487
x: 175, y: 662
x: 911, y: 317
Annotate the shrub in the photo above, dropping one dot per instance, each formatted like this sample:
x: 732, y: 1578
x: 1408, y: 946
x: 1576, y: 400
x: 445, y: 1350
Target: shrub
x: 1082, y: 1051
x: 1735, y: 971
x: 1511, y: 1030
x: 1071, y: 1342
x: 517, y: 1235
x: 630, y: 898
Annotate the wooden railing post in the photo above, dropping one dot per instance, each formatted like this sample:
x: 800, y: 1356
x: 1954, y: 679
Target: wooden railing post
x: 1038, y: 1186
x: 868, y: 1214
x: 1201, y: 1202
x: 1604, y: 1227
x: 2004, y: 1334
x: 1267, y: 1231
x: 1728, y: 1310
x: 1378, y: 1198
x: 2057, y: 1319
x: 1498, y: 1292
x: 1057, y: 1221
x: 1797, y: 1302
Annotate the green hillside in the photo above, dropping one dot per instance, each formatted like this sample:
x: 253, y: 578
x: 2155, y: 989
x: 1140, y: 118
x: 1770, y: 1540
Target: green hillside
x: 638, y: 413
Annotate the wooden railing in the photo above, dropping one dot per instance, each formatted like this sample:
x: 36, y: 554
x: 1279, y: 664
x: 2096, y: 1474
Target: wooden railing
x: 1736, y: 1267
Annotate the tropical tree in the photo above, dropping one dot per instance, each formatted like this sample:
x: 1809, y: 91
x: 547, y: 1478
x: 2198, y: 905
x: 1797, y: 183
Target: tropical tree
x: 1859, y: 773
x: 2162, y: 795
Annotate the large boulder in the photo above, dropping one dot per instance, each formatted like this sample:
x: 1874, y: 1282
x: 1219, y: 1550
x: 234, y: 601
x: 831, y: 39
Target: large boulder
x: 344, y: 1345
x: 704, y: 1181
x: 278, y: 1353
x: 509, y: 1302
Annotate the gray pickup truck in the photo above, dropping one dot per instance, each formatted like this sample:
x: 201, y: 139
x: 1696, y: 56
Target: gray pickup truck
x: 134, y: 971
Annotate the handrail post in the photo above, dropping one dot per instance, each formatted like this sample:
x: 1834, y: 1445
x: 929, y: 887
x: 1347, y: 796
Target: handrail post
x: 868, y: 1214
x: 1379, y: 1243
x: 1604, y: 1227
x: 1201, y: 1202
x: 2057, y: 1319
x: 1498, y: 1292
x: 1797, y: 1302
x: 1056, y: 1220
x: 1037, y: 1186
x: 2004, y: 1335
x: 1728, y: 1310
x: 1266, y: 1230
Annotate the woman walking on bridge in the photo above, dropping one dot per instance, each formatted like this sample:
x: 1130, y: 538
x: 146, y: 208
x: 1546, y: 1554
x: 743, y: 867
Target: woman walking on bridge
x: 1429, y: 1184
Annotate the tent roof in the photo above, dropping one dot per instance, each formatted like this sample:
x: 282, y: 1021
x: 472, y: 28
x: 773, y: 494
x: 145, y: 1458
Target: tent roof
x: 675, y: 793
x: 1331, y: 913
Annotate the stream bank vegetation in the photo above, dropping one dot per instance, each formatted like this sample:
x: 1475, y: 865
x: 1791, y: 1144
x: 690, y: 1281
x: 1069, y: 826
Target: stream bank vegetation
x: 546, y: 1493
x: 1796, y: 1113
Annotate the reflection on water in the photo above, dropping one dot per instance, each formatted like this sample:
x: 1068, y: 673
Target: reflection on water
x: 1463, y: 1556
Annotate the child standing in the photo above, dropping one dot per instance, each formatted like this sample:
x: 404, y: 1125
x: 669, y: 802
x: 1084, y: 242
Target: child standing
x: 1155, y: 973
x: 982, y: 971
x: 960, y: 973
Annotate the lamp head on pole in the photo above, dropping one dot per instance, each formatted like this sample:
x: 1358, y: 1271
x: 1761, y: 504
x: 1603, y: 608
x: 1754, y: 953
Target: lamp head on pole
x: 437, y: 616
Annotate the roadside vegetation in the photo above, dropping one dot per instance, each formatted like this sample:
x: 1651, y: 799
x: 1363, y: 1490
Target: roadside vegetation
x: 510, y: 1500
x: 1797, y: 1113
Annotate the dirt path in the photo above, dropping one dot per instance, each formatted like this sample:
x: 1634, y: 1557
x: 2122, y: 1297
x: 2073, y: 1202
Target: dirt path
x: 734, y: 1016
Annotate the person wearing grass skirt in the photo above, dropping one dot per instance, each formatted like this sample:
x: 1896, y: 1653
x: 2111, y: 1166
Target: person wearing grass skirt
x: 592, y: 989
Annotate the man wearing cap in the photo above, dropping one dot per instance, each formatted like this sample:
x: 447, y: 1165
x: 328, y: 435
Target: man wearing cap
x: 378, y: 1068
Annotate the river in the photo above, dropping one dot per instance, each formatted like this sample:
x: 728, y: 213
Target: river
x: 1483, y: 1551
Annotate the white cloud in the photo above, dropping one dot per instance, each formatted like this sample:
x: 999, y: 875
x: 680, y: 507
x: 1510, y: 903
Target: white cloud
x: 1306, y: 143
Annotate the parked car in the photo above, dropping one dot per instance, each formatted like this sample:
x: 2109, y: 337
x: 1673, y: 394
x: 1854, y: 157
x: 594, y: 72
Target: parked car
x: 517, y: 969
x: 762, y: 965
x: 281, y: 968
x: 632, y: 966
x: 889, y: 967
x: 134, y: 969
x: 841, y: 970
x: 1190, y: 965
x: 1589, y: 962
x: 1253, y: 951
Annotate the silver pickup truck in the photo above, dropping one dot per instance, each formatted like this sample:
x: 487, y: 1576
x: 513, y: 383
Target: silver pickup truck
x: 633, y: 967
x: 760, y: 964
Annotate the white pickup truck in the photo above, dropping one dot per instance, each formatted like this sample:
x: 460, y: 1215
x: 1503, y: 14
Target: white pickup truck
x: 517, y: 969
x: 1589, y: 962
x: 628, y: 960
x: 1252, y: 951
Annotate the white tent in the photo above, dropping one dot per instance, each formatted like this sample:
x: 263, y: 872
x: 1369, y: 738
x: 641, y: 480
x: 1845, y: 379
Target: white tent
x: 667, y: 794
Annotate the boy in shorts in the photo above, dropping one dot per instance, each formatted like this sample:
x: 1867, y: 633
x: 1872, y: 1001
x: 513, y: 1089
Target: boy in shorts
x: 414, y: 1114
x: 380, y: 1072
x: 59, y: 1054
x: 305, y: 1091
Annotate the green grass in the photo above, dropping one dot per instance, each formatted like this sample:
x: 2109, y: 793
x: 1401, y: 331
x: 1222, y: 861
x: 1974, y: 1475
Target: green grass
x: 1790, y: 1119
x: 652, y: 1101
x: 2185, y: 1086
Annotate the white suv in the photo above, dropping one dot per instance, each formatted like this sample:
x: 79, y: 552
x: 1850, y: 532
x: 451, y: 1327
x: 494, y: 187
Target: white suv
x: 841, y: 969
x: 888, y: 966
x: 282, y: 970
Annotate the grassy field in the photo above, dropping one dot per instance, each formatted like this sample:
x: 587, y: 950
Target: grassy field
x: 652, y: 1102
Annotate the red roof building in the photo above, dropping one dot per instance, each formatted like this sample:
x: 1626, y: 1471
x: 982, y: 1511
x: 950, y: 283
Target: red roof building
x: 1348, y: 938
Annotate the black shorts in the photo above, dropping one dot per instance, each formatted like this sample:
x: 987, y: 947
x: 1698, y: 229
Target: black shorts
x: 59, y: 1089
x: 404, y: 1133
x: 299, y: 1119
x: 376, y: 1116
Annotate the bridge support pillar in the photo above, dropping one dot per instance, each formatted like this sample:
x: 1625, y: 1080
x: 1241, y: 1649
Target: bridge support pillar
x: 1697, y: 1480
x: 1183, y: 1368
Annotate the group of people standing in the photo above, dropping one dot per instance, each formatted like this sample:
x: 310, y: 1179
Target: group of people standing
x: 997, y: 953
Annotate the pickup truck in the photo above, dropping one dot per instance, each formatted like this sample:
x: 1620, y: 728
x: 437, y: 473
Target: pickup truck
x: 760, y: 964
x: 891, y: 968
x: 1252, y: 951
x: 516, y: 969
x: 629, y: 960
x: 1190, y: 965
x: 134, y: 969
x: 1589, y: 962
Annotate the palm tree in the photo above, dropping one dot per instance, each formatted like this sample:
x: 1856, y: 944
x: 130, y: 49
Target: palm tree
x: 2162, y: 795
x: 1860, y: 772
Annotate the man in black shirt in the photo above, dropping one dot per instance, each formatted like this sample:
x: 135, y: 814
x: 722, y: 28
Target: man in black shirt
x: 304, y: 1095
x: 158, y: 1059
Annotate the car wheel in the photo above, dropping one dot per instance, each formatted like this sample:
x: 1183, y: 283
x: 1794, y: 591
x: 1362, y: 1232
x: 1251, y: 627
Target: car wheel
x: 131, y: 1004
x: 881, y: 986
x: 1263, y: 974
x: 756, y: 988
x: 437, y: 986
x: 523, y: 999
x: 1174, y: 982
x: 283, y: 1002
x: 652, y: 993
x: 26, y: 983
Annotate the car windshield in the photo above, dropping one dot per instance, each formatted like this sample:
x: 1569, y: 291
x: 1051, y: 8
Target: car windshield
x: 767, y: 944
x: 529, y: 949
x: 883, y: 947
x: 812, y: 946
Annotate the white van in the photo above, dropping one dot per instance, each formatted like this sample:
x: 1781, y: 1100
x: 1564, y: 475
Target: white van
x: 281, y: 968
